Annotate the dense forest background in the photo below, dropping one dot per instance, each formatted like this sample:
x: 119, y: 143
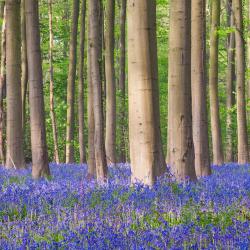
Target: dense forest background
x: 62, y: 11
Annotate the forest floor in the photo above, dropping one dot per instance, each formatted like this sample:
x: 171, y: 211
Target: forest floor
x: 69, y: 212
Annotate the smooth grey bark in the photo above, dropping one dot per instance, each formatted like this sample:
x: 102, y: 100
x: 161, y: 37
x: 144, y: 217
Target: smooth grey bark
x: 71, y: 84
x: 95, y: 27
x: 40, y: 167
x: 82, y: 148
x: 14, y: 132
x: 180, y: 138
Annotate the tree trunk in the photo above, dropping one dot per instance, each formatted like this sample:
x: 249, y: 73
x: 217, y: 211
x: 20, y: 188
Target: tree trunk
x: 199, y: 84
x: 230, y: 84
x: 110, y: 84
x: 40, y: 165
x: 122, y: 80
x: 95, y: 58
x: 180, y: 139
x: 240, y: 83
x: 24, y: 81
x: 71, y: 85
x: 52, y: 106
x: 213, y: 85
x: 14, y: 154
x: 81, y: 85
x: 91, y: 124
x: 2, y: 82
x: 147, y: 161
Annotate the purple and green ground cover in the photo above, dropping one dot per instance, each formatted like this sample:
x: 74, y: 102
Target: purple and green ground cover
x: 69, y: 212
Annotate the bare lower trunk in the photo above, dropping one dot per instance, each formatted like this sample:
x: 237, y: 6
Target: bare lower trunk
x: 199, y: 84
x: 147, y: 160
x: 240, y: 84
x: 110, y: 84
x: 180, y: 138
x: 14, y: 154
x: 24, y: 82
x: 230, y: 85
x: 40, y: 165
x: 71, y: 85
x: 2, y: 84
x: 218, y: 158
x: 95, y: 56
x: 52, y: 105
x: 91, y: 125
x: 122, y: 80
x: 81, y: 85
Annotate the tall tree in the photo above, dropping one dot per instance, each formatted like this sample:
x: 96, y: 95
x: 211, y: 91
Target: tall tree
x: 180, y: 141
x: 198, y: 79
x: 110, y: 83
x: 95, y: 74
x: 81, y: 85
x: 230, y: 83
x: 218, y: 158
x: 91, y: 124
x: 14, y: 135
x: 40, y: 165
x: 147, y: 160
x: 24, y: 81
x: 122, y: 79
x: 240, y: 83
x: 71, y: 84
x: 52, y: 104
x: 2, y: 80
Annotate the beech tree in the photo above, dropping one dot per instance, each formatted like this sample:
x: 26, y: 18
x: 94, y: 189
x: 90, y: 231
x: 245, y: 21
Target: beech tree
x: 110, y: 83
x: 147, y: 160
x: 52, y: 104
x: 95, y: 74
x: 71, y: 84
x: 81, y: 84
x: 14, y: 134
x: 24, y: 81
x: 199, y: 83
x: 218, y: 158
x: 40, y: 165
x: 91, y: 124
x: 180, y: 141
x: 240, y: 84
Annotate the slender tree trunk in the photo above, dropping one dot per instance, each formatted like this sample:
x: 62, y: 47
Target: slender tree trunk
x: 198, y: 79
x: 240, y: 83
x: 180, y: 138
x: 213, y: 85
x: 81, y: 85
x: 40, y: 165
x: 122, y: 79
x: 147, y: 161
x: 2, y: 81
x: 52, y: 105
x: 91, y: 124
x: 230, y: 84
x: 110, y: 83
x: 95, y: 58
x: 14, y: 154
x: 24, y: 81
x: 161, y: 165
x: 71, y: 85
